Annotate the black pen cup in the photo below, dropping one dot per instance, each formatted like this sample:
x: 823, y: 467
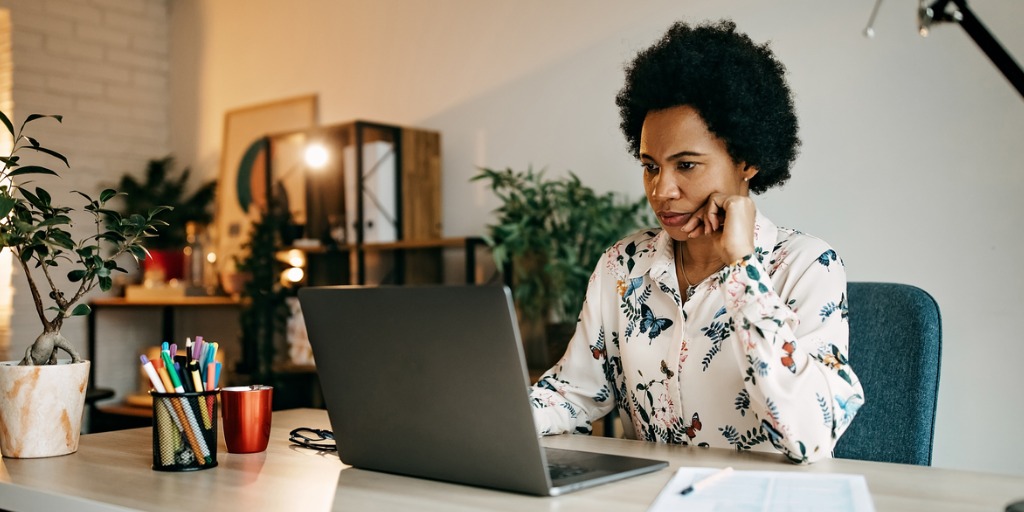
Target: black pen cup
x: 185, y: 430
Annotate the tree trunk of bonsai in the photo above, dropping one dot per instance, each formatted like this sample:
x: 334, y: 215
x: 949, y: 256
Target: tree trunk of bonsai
x: 44, y: 350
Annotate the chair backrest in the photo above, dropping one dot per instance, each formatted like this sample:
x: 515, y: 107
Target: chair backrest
x: 895, y: 350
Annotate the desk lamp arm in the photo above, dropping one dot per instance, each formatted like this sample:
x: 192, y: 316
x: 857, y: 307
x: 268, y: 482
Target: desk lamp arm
x: 937, y: 13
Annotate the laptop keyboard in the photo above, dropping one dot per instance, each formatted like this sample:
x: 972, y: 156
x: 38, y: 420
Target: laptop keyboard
x: 560, y: 471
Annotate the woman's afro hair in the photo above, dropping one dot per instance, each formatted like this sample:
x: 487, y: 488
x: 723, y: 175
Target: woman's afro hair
x: 738, y: 88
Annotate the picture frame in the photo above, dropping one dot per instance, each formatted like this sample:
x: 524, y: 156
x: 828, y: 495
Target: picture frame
x: 242, y: 191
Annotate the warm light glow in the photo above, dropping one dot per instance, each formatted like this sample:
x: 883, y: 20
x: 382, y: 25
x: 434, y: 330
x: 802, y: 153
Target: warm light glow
x: 294, y: 275
x: 296, y: 258
x: 211, y: 257
x: 316, y: 156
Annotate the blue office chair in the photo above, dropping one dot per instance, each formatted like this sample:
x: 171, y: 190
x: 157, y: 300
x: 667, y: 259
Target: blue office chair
x: 895, y: 350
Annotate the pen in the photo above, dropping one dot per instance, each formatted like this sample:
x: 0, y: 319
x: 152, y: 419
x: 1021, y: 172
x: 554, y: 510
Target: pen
x: 714, y: 477
x: 171, y: 372
x: 153, y: 377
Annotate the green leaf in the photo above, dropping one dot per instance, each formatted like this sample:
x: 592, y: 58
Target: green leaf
x: 76, y: 275
x: 33, y: 117
x: 81, y: 310
x: 33, y: 199
x: 140, y: 253
x: 55, y: 221
x: 107, y: 194
x: 106, y: 283
x: 6, y: 205
x: 50, y: 152
x: 7, y: 122
x: 753, y: 273
x: 44, y: 196
x: 32, y: 169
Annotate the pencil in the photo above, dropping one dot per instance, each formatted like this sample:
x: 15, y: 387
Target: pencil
x: 705, y: 482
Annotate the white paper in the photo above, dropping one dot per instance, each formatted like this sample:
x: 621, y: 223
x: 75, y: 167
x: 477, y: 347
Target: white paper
x: 765, y: 491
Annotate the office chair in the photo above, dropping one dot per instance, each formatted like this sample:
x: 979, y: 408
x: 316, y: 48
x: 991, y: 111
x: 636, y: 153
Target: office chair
x: 895, y: 350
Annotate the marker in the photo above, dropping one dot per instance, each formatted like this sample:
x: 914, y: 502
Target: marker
x: 153, y: 377
x: 694, y: 487
x: 169, y: 365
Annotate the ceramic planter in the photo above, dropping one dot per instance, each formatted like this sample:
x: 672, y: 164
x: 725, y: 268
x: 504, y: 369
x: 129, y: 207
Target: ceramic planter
x: 41, y: 408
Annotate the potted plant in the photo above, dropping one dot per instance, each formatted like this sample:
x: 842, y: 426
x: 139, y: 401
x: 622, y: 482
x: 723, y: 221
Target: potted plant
x: 41, y: 398
x: 161, y: 186
x: 549, y: 234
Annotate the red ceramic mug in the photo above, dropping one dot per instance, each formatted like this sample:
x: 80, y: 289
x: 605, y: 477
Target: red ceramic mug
x: 246, y: 412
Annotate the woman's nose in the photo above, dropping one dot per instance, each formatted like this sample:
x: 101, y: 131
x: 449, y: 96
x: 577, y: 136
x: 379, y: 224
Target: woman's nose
x: 665, y: 187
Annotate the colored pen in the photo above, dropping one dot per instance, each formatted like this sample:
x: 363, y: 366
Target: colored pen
x: 169, y: 365
x: 153, y: 377
x: 705, y: 482
x: 184, y: 414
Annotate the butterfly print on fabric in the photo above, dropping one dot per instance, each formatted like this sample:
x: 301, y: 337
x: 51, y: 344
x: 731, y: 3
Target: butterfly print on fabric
x: 827, y: 257
x: 693, y: 427
x: 649, y: 322
x: 787, y: 360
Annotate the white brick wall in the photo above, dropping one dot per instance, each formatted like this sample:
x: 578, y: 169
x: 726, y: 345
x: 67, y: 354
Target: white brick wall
x: 103, y: 65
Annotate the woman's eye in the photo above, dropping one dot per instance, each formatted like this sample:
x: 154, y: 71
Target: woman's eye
x: 685, y: 166
x: 649, y: 167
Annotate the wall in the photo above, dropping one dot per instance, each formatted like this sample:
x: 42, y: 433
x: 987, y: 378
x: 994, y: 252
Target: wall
x: 103, y: 65
x: 909, y: 166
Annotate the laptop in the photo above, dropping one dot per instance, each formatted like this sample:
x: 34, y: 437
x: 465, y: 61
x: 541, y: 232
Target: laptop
x: 431, y: 382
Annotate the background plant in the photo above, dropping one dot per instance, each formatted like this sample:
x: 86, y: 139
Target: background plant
x: 553, y: 231
x: 38, y: 233
x: 162, y: 187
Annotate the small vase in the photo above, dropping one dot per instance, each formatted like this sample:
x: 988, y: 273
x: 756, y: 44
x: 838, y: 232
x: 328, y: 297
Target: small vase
x: 41, y: 408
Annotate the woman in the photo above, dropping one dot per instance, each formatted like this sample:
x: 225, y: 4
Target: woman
x: 719, y: 329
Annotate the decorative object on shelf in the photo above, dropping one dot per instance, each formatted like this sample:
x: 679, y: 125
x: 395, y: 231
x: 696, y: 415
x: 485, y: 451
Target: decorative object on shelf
x: 550, y: 233
x: 44, y: 419
x: 243, y: 168
x: 161, y: 186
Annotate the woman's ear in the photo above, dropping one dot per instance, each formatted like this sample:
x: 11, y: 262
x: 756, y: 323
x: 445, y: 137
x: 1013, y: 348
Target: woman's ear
x: 749, y: 171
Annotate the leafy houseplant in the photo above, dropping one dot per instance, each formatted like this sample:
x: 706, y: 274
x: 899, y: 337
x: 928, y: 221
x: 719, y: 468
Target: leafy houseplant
x: 551, y: 233
x: 162, y: 187
x: 38, y: 233
x: 265, y: 311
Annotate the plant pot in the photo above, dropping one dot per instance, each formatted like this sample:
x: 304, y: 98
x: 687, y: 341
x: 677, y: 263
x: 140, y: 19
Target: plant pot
x: 162, y: 265
x: 41, y: 408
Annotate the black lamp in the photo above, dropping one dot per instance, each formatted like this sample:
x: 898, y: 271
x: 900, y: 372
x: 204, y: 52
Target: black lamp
x: 942, y: 11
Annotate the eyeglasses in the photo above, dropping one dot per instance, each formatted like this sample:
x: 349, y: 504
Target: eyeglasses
x: 313, y: 438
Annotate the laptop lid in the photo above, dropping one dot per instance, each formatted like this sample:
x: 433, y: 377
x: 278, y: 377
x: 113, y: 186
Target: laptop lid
x: 430, y: 381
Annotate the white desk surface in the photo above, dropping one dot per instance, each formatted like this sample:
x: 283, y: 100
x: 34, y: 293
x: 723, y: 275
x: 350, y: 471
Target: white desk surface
x: 111, y: 471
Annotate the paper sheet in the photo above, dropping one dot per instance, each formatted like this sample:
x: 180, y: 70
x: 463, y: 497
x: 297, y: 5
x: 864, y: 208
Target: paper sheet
x: 765, y: 491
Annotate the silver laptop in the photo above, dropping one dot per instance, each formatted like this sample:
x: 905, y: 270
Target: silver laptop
x: 430, y: 381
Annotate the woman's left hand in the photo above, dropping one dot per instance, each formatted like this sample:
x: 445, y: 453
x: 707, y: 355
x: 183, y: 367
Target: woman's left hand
x: 729, y: 221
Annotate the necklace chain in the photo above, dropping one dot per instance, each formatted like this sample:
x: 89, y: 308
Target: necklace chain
x: 690, y: 288
x: 679, y: 262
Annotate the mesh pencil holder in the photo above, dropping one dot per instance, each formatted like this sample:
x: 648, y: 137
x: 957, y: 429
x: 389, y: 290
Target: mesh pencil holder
x: 184, y: 430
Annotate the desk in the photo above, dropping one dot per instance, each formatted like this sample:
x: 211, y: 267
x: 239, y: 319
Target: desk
x: 111, y: 471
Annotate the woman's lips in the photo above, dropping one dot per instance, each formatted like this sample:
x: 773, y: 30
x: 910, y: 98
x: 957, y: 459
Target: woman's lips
x: 673, y: 219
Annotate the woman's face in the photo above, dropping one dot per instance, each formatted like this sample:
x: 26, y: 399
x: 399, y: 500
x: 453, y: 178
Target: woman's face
x: 683, y: 164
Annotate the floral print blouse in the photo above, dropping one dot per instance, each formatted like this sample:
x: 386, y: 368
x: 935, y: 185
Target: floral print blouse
x: 755, y: 359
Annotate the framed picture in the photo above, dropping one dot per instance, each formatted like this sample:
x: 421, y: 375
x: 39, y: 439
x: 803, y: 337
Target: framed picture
x: 242, y: 191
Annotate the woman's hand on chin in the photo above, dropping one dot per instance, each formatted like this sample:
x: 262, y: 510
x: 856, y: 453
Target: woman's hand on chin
x: 729, y: 221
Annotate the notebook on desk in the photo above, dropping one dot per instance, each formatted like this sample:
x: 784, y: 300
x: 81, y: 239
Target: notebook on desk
x: 430, y: 381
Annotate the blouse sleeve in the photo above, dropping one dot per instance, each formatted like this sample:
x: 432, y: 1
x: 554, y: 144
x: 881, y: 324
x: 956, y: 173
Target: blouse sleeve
x: 575, y: 391
x: 793, y: 351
